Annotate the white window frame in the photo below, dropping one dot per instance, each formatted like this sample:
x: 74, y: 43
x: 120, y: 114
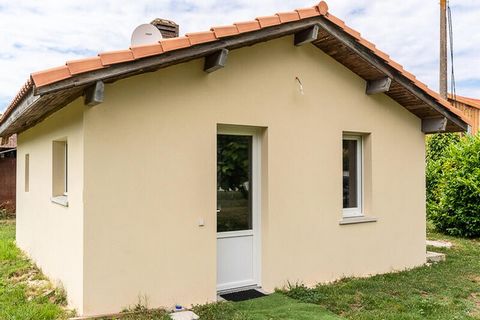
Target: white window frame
x: 27, y: 172
x: 65, y: 177
x: 357, y: 211
x: 60, y: 187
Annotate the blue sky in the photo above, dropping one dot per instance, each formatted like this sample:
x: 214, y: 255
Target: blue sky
x: 41, y: 34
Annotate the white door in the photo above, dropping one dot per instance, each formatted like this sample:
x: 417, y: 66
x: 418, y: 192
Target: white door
x: 238, y: 206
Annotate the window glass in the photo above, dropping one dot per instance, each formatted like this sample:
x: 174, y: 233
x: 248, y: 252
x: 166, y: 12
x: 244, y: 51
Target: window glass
x: 350, y: 173
x: 234, y: 187
x: 59, y: 168
x: 27, y: 172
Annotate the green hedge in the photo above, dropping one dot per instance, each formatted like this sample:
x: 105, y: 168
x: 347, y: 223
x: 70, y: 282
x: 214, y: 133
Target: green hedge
x: 453, y: 184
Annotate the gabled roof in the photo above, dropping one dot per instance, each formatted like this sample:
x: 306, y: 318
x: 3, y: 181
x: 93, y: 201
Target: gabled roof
x: 49, y: 90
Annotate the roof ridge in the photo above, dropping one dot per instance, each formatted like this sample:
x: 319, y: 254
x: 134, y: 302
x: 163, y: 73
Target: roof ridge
x: 106, y: 59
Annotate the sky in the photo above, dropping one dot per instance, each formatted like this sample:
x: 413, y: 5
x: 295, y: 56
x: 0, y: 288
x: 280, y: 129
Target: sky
x: 36, y: 35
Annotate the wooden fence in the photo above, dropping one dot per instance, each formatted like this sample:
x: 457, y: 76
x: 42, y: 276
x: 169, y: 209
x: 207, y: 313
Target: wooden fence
x: 8, y: 171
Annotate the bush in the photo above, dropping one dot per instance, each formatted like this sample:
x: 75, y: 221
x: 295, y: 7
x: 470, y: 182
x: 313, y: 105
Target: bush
x: 437, y: 146
x: 453, y: 187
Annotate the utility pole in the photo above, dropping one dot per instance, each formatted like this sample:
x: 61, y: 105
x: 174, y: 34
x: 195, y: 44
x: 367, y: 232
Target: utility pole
x: 443, y: 49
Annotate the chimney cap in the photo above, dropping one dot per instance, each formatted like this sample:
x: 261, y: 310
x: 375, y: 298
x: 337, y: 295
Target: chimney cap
x: 168, y: 28
x: 165, y: 22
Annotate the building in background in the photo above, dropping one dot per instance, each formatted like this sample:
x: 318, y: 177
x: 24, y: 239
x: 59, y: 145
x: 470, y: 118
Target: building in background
x: 8, y: 171
x: 470, y: 107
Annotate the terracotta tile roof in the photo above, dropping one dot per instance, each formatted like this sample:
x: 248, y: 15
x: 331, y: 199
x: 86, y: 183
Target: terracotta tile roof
x: 72, y: 68
x: 16, y: 100
x: 468, y: 101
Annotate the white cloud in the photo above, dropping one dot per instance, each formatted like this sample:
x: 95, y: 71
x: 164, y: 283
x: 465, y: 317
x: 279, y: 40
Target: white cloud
x: 40, y: 34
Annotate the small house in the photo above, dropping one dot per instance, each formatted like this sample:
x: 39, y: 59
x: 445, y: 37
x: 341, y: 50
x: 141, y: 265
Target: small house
x: 285, y: 148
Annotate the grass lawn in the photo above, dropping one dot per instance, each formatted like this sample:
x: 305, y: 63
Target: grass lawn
x: 448, y: 290
x: 24, y: 293
x: 273, y: 307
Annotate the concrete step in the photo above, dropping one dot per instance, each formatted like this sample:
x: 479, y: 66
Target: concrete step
x: 183, y: 315
x: 439, y: 244
x: 433, y: 257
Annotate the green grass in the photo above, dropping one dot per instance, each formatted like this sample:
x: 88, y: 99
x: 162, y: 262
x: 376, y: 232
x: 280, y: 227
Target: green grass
x: 448, y: 290
x: 273, y: 307
x: 17, y: 299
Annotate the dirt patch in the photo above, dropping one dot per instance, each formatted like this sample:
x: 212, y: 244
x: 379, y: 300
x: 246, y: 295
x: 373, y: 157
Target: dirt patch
x: 38, y: 286
x: 474, y: 278
x: 475, y: 298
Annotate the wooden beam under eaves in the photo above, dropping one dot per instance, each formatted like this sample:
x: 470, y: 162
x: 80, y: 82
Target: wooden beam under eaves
x: 434, y: 125
x: 94, y: 94
x: 306, y: 36
x: 381, y: 85
x: 216, y: 61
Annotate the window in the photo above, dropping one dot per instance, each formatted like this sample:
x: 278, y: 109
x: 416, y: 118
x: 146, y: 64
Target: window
x: 352, y: 176
x: 60, y: 171
x: 27, y: 172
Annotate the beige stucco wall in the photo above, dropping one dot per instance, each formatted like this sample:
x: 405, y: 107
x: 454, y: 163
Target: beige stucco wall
x: 51, y: 234
x: 150, y: 174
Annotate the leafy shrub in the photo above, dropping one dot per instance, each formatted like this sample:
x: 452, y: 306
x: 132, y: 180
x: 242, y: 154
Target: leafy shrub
x: 299, y: 291
x: 437, y: 146
x: 455, y: 188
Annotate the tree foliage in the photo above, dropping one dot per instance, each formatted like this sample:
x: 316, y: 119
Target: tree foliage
x: 453, y: 184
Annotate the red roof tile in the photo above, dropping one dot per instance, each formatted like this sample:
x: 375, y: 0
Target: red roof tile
x: 52, y: 75
x: 322, y: 8
x: 268, y: 21
x: 112, y: 57
x: 307, y: 13
x: 49, y: 76
x: 84, y: 65
x: 247, y: 26
x: 225, y: 31
x: 146, y: 50
x: 288, y: 16
x: 201, y: 37
x: 335, y: 20
x: 175, y: 43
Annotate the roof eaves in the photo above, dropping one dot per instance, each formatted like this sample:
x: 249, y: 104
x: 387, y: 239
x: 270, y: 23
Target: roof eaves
x: 107, y: 59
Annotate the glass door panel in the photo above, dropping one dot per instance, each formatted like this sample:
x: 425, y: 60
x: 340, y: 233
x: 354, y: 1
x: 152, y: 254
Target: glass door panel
x: 234, y: 183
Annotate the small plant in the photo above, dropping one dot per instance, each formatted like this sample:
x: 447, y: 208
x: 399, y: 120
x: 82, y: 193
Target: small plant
x: 140, y: 311
x: 299, y: 291
x: 59, y: 296
x: 3, y: 214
